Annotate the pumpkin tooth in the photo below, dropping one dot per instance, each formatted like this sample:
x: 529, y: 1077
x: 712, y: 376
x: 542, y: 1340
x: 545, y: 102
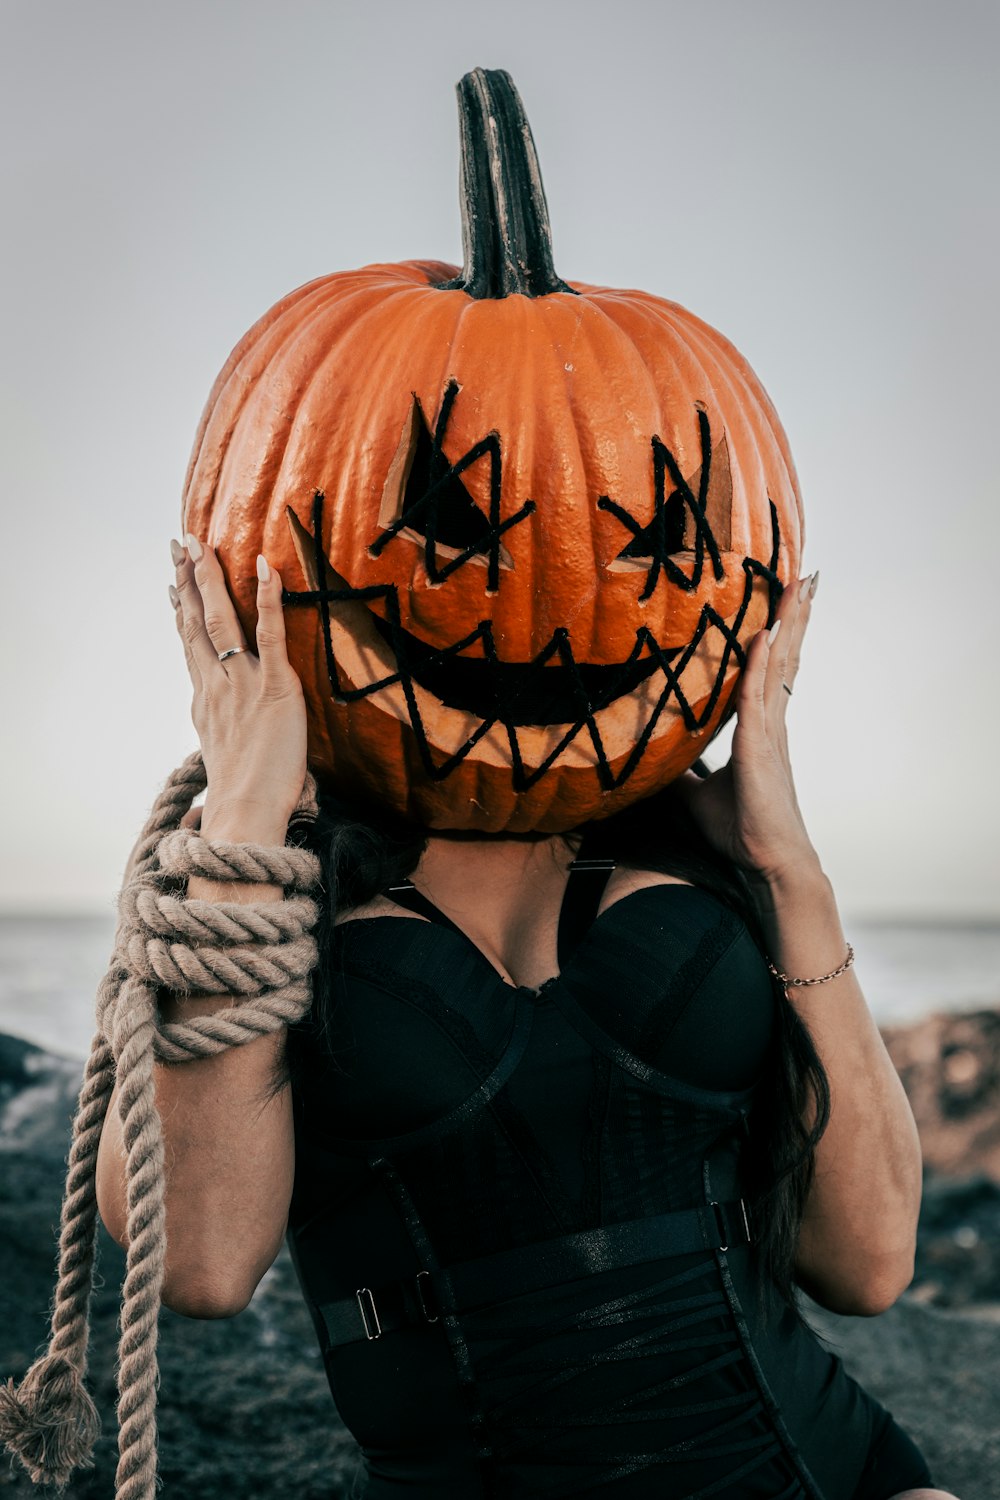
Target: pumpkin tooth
x: 401, y: 467
x: 305, y: 548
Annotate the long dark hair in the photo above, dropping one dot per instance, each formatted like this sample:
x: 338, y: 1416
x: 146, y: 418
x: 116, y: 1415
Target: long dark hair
x: 362, y: 852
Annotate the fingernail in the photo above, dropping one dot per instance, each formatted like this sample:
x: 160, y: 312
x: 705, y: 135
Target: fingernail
x: 814, y: 585
x: 193, y: 546
x: 263, y: 571
x: 175, y: 597
x: 773, y: 632
x: 176, y: 552
x: 804, y: 587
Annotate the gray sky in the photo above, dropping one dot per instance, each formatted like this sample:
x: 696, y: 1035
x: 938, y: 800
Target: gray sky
x: 818, y: 182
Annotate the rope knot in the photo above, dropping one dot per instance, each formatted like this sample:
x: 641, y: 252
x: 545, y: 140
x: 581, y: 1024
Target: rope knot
x: 49, y: 1422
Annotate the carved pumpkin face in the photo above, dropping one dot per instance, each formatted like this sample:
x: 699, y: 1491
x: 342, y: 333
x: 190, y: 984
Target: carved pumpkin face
x: 526, y: 528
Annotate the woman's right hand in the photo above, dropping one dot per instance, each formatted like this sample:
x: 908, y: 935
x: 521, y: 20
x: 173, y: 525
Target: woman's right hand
x: 249, y: 711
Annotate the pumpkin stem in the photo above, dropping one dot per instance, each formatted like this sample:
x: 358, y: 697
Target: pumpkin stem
x: 506, y: 236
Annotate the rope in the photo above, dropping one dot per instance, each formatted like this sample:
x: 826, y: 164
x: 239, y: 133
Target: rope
x: 261, y: 954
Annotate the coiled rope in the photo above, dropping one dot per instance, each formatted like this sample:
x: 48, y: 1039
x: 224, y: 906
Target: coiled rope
x: 264, y: 955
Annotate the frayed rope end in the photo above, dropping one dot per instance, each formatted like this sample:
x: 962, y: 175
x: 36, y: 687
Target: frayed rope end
x: 49, y: 1422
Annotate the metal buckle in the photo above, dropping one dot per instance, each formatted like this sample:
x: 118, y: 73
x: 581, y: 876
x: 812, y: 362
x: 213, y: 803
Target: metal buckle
x: 423, y: 1300
x: 364, y: 1291
x: 721, y: 1225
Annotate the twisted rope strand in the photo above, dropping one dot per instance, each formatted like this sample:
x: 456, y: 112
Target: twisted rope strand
x: 185, y: 852
x: 138, y: 1373
x: 240, y: 970
x: 78, y: 1221
x: 264, y: 954
x: 230, y: 1028
x: 230, y: 922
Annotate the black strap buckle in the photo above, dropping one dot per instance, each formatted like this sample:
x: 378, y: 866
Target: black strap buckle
x: 422, y: 1297
x: 723, y: 1227
x: 361, y: 1293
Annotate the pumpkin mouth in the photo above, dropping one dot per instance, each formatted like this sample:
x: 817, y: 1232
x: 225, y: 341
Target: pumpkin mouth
x: 522, y: 717
x: 521, y: 693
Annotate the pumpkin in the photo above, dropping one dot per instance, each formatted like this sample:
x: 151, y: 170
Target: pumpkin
x: 526, y: 527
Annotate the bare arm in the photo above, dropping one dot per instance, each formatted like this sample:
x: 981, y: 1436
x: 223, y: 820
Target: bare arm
x: 228, y: 1136
x: 229, y: 1155
x: 858, y: 1236
x: 856, y: 1246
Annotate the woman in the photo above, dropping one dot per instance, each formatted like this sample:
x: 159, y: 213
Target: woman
x: 470, y: 1138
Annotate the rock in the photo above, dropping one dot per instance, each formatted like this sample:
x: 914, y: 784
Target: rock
x: 950, y: 1068
x: 958, y: 1243
x: 37, y: 1100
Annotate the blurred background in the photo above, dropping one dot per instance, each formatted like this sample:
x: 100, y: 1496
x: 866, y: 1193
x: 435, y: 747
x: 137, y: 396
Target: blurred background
x: 817, y: 182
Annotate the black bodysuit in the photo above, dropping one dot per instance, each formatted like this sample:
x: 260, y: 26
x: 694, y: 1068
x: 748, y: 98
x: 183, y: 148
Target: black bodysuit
x: 443, y: 1115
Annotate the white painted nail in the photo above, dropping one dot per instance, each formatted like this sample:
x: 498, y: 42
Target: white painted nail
x: 773, y: 632
x: 263, y: 569
x: 193, y: 546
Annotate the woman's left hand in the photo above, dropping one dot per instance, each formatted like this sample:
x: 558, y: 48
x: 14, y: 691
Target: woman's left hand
x: 748, y: 809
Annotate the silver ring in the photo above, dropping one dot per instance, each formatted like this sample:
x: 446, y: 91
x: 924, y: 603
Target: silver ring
x: 787, y: 688
x: 233, y: 651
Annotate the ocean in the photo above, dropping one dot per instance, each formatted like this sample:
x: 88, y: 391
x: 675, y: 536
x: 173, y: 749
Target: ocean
x: 50, y: 967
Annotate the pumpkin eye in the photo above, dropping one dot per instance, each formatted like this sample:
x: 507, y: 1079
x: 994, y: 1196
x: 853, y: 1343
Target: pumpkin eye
x: 695, y: 518
x: 436, y: 503
x: 663, y: 536
x: 425, y: 500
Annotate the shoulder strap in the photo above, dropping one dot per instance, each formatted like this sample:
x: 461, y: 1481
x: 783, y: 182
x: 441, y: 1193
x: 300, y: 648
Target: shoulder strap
x: 584, y: 888
x: 406, y: 894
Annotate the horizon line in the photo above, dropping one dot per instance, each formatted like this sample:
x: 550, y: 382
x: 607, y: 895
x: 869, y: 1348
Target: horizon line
x: 914, y: 917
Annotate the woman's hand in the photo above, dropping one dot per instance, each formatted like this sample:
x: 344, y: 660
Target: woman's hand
x: 249, y: 711
x: 748, y: 809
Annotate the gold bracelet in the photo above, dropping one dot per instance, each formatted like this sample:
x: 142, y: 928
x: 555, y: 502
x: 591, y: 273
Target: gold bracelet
x: 787, y: 979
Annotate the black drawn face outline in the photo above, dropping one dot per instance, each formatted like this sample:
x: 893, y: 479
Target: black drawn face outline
x: 426, y: 502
